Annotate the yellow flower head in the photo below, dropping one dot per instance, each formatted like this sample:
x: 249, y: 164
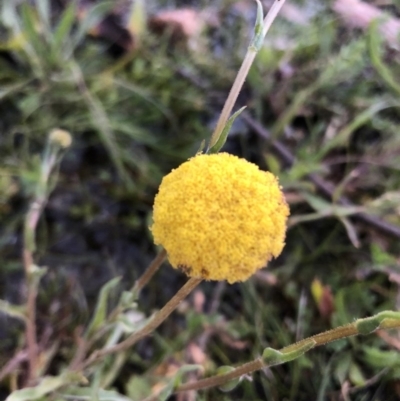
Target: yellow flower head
x: 220, y: 217
x: 60, y: 138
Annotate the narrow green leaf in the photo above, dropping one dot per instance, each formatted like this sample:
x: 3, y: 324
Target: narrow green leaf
x: 273, y: 357
x: 379, y: 358
x: 29, y: 20
x: 350, y: 230
x: 232, y: 384
x: 102, y: 123
x: 343, y: 136
x: 166, y: 391
x: 328, y: 209
x: 92, y: 18
x: 258, y: 37
x: 100, y: 313
x: 368, y: 325
x: 388, y: 314
x: 138, y: 387
x: 43, y: 7
x: 16, y: 311
x: 300, y: 99
x: 7, y: 90
x: 224, y: 134
x: 182, y: 371
x: 176, y: 381
x: 356, y: 375
x: 65, y: 25
x: 374, y: 47
x: 201, y: 147
x: 380, y: 257
x: 342, y: 367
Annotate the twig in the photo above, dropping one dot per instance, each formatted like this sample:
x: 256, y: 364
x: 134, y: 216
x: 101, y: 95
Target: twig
x: 325, y: 187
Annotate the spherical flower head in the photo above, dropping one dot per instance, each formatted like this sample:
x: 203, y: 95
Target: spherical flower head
x: 220, y: 217
x: 60, y: 138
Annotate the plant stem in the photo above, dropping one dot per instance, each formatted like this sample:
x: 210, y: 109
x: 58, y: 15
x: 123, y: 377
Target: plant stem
x: 31, y: 321
x: 219, y: 380
x: 233, y: 94
x: 152, y: 324
x: 150, y: 271
x: 32, y: 218
x: 329, y: 336
x: 242, y: 74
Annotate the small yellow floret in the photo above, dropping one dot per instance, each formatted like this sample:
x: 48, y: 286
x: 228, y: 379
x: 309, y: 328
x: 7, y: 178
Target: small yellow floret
x: 220, y: 217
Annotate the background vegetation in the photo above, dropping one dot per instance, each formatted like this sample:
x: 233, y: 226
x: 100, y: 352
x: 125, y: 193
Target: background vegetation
x: 139, y: 91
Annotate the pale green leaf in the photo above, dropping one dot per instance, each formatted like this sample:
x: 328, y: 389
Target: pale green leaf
x: 100, y: 313
x: 224, y: 134
x: 46, y: 386
x: 15, y: 311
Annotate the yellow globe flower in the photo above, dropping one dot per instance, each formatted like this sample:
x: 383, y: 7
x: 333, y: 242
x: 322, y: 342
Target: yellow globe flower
x: 61, y: 138
x: 220, y: 217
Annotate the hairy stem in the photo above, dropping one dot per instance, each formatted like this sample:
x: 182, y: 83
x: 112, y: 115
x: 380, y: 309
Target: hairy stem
x: 376, y: 322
